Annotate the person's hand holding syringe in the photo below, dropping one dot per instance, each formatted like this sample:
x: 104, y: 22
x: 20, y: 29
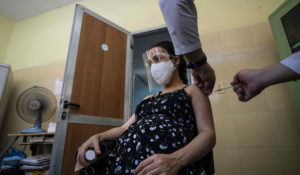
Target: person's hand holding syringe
x: 222, y: 89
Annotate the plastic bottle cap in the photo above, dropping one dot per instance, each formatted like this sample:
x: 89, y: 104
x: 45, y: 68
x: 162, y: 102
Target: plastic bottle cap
x: 90, y: 155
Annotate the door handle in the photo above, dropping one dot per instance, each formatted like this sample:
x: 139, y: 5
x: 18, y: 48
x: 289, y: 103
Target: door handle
x: 67, y: 104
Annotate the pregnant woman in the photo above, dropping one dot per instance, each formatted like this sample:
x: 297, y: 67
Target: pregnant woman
x: 170, y: 132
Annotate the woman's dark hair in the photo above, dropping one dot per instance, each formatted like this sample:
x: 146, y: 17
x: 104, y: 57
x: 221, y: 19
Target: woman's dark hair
x: 168, y: 45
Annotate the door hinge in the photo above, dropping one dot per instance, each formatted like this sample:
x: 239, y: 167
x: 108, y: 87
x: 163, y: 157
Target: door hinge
x: 131, y: 43
x: 63, y: 115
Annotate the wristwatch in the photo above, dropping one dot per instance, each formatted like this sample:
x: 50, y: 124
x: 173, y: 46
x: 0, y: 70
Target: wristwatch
x: 197, y: 63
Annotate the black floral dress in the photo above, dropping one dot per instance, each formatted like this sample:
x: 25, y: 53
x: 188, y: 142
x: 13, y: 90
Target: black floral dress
x: 164, y: 123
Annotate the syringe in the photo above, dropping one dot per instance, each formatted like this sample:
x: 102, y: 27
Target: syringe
x: 221, y: 89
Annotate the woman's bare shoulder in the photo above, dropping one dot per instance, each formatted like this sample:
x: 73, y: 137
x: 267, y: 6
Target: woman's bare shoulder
x: 149, y: 96
x: 193, y: 89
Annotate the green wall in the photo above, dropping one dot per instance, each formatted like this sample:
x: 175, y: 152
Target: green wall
x: 283, y: 45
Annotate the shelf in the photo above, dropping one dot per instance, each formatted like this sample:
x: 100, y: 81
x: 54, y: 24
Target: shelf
x: 38, y: 143
x: 31, y: 134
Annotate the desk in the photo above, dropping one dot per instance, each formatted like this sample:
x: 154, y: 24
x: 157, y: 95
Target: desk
x: 26, y: 141
x: 33, y: 145
x: 26, y: 136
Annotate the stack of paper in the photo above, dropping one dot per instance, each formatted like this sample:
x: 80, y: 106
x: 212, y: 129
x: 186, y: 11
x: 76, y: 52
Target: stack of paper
x: 37, y: 139
x: 49, y: 139
x: 38, y: 162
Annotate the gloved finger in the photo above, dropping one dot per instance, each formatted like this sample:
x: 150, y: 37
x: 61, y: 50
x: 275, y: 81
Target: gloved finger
x: 247, y: 98
x: 210, y: 85
x: 205, y: 91
x: 239, y: 90
x: 235, y: 79
x: 240, y: 97
x: 197, y: 85
x: 248, y: 95
x: 244, y: 98
x: 235, y: 87
x: 206, y: 85
x: 201, y: 84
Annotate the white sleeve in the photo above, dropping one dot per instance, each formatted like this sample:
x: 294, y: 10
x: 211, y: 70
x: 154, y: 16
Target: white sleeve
x: 181, y: 20
x: 293, y: 62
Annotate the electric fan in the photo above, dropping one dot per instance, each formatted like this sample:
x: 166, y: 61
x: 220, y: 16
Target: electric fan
x: 35, y: 105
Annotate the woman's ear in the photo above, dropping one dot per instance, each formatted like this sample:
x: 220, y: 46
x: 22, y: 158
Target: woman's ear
x: 176, y: 61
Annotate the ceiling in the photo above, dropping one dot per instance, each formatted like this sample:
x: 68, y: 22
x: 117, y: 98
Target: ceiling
x: 21, y: 9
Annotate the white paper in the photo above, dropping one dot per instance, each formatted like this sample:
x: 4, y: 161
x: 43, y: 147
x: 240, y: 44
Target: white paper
x: 58, y: 86
x: 51, y: 127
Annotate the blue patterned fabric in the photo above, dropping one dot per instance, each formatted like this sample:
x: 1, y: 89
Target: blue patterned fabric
x: 12, y: 159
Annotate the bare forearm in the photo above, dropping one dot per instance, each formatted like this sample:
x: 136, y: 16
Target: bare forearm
x: 111, y: 134
x: 115, y: 133
x: 196, y: 149
x: 277, y: 73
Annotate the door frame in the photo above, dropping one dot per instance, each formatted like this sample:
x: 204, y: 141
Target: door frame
x: 148, y: 30
x: 61, y: 127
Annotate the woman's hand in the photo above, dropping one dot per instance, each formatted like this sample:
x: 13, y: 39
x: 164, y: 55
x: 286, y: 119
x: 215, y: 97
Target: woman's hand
x: 91, y: 143
x: 158, y: 164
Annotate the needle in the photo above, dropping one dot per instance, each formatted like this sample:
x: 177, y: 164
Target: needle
x: 221, y: 89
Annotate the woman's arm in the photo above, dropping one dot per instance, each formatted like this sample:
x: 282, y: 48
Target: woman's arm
x: 115, y: 133
x: 93, y: 142
x: 170, y: 164
x: 206, y: 139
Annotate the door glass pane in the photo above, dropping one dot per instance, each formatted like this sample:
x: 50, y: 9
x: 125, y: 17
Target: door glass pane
x: 143, y: 42
x: 291, y: 25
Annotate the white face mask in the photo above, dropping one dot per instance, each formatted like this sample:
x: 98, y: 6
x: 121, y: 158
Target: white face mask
x: 162, y: 72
